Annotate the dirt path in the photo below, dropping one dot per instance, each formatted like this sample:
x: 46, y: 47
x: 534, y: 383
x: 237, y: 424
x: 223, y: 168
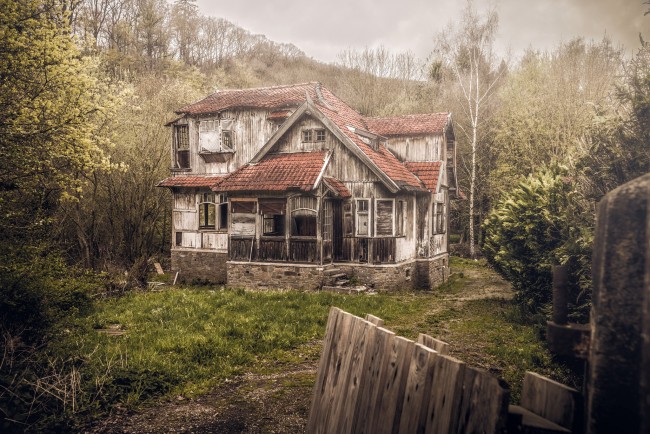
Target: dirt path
x: 270, y: 403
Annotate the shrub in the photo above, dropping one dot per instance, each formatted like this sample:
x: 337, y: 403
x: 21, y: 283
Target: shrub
x: 539, y: 223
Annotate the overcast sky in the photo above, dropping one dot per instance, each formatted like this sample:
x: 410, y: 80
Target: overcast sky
x: 322, y: 29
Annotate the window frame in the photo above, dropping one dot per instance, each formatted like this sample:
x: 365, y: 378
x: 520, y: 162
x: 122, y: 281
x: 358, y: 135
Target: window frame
x: 307, y: 135
x: 376, y: 219
x: 319, y: 134
x: 182, y: 146
x: 303, y: 211
x: 358, y: 213
x: 222, y: 204
x: 207, y: 201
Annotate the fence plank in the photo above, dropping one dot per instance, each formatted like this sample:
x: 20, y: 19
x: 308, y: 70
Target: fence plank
x: 437, y: 345
x: 483, y: 404
x: 370, y: 395
x: 551, y: 400
x: 444, y: 401
x: 418, y: 388
x: 329, y: 371
x: 342, y: 420
x: 393, y: 383
x: 375, y: 320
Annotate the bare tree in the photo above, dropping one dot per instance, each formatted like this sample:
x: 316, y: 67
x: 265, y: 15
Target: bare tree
x: 466, y: 51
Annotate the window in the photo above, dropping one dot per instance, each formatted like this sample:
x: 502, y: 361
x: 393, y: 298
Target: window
x: 226, y: 139
x: 243, y: 217
x: 363, y: 217
x: 273, y: 217
x: 182, y: 145
x: 313, y: 135
x: 399, y: 218
x: 303, y: 216
x: 208, y: 125
x: 223, y: 211
x: 384, y: 217
x: 207, y: 212
x: 440, y: 224
x: 179, y: 239
x: 347, y: 219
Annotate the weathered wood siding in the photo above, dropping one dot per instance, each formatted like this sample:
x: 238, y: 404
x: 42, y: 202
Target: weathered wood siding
x: 250, y: 131
x: 185, y: 219
x: 418, y: 148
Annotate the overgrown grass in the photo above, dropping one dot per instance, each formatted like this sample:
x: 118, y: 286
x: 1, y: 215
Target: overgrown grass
x: 184, y: 341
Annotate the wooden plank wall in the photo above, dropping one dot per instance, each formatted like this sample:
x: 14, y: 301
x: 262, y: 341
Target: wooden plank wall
x: 371, y: 381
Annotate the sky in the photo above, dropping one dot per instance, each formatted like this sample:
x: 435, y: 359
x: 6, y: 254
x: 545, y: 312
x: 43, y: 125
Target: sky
x: 322, y: 29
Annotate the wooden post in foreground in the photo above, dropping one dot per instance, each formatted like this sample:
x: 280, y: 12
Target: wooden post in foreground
x: 619, y: 374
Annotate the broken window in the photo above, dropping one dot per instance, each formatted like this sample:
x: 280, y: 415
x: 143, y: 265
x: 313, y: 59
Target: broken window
x: 182, y: 146
x: 273, y: 215
x: 223, y: 211
x: 243, y: 217
x: 207, y: 212
x: 384, y: 217
x: 179, y: 239
x: 303, y: 216
x: 363, y: 217
x: 226, y: 139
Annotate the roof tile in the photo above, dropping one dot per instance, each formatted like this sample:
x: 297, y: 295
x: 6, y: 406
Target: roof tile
x: 428, y: 172
x: 276, y: 172
x: 189, y: 181
x: 430, y: 123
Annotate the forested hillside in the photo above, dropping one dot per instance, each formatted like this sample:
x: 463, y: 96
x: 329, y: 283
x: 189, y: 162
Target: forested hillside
x: 86, y: 87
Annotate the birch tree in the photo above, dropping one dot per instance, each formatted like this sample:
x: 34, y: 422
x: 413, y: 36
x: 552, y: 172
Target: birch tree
x: 465, y: 51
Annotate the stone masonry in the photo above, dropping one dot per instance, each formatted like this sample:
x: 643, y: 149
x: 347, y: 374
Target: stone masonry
x: 203, y: 265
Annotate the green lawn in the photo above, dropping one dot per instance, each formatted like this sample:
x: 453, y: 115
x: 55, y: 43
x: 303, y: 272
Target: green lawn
x: 184, y: 340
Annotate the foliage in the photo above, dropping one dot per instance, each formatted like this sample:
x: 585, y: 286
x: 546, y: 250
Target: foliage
x: 465, y: 51
x: 541, y: 223
x: 546, y: 107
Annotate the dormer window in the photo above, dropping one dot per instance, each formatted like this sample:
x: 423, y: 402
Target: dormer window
x: 313, y: 135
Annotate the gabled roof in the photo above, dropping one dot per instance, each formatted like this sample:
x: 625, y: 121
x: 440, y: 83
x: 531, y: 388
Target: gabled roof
x: 337, y: 187
x: 274, y: 97
x: 428, y: 172
x: 343, y: 121
x: 409, y: 125
x: 189, y: 181
x: 277, y: 172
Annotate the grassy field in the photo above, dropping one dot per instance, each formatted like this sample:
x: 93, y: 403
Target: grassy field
x: 183, y: 341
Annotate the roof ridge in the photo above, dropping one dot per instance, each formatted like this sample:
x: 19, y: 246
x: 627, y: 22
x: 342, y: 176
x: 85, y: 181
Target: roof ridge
x: 280, y: 86
x: 404, y: 115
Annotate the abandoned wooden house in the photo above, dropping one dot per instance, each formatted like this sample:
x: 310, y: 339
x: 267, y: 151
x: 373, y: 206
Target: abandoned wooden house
x: 287, y: 186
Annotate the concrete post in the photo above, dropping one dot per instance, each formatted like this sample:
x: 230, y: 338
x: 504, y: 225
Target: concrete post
x: 618, y: 398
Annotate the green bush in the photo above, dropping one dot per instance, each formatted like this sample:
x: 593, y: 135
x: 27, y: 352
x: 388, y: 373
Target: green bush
x: 540, y: 223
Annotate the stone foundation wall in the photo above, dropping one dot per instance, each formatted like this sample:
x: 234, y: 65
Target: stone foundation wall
x: 392, y: 277
x: 252, y: 275
x: 433, y: 272
x: 204, y: 265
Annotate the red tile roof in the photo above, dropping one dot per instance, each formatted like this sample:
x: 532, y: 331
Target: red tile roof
x: 338, y: 187
x: 431, y: 123
x: 276, y: 172
x: 279, y: 97
x: 189, y: 181
x: 428, y: 172
x: 262, y: 97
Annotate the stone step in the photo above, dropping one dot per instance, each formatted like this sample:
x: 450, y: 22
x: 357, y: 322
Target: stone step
x: 345, y: 290
x: 338, y: 276
x: 341, y: 282
x: 331, y: 271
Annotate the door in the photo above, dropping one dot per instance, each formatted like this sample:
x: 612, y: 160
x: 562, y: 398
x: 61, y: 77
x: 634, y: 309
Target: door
x: 337, y: 230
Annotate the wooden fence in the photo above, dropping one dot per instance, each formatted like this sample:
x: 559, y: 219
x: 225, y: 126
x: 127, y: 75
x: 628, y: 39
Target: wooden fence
x: 371, y: 381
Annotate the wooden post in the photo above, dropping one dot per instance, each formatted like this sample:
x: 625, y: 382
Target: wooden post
x: 619, y: 372
x: 560, y: 306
